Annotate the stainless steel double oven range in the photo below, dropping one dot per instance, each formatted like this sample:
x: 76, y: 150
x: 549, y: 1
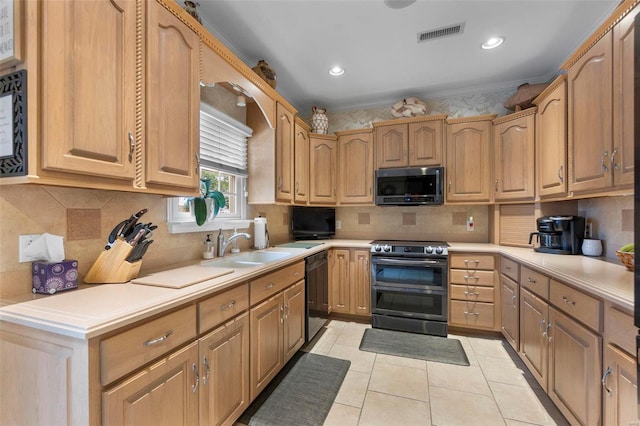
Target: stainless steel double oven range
x: 409, y: 286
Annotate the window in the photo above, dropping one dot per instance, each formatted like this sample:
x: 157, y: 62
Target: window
x: 223, y: 159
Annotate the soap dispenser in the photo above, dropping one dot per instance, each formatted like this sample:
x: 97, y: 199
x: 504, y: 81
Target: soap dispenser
x: 208, y: 251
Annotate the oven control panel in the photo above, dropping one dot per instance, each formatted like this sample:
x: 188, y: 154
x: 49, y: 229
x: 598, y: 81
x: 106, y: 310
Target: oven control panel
x: 383, y: 247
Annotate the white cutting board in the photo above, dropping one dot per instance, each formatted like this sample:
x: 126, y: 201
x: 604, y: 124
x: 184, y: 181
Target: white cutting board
x: 182, y: 277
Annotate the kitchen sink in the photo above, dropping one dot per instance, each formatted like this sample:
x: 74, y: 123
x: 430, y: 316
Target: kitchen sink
x: 248, y: 259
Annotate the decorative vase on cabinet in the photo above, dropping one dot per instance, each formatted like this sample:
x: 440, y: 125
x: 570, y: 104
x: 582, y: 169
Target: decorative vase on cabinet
x: 319, y: 121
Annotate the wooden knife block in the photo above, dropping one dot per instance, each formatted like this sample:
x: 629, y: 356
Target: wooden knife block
x: 112, y: 267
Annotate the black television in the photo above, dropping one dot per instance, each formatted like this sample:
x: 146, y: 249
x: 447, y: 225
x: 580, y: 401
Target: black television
x: 313, y: 223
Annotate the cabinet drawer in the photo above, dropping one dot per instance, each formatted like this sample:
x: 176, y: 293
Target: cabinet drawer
x: 535, y: 282
x: 476, y: 294
x: 580, y: 306
x: 269, y: 284
x: 129, y: 350
x: 221, y: 307
x: 472, y: 314
x: 473, y: 278
x: 472, y: 261
x: 619, y: 329
x: 510, y: 268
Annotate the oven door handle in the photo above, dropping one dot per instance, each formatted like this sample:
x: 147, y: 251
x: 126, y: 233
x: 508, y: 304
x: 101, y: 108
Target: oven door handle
x: 408, y: 262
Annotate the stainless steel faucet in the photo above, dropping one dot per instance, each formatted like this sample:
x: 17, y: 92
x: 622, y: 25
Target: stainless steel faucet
x: 222, y: 245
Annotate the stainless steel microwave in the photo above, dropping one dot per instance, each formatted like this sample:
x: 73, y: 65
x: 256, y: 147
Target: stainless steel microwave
x: 412, y: 186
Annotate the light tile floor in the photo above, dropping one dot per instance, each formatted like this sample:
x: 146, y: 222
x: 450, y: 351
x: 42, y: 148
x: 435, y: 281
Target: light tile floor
x: 496, y: 389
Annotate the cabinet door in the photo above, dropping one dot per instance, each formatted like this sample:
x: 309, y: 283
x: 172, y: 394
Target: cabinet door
x: 551, y: 143
x: 172, y: 100
x: 590, y: 118
x: 574, y: 369
x: 534, y: 314
x: 142, y: 399
x: 356, y: 169
x: 620, y: 385
x: 294, y: 304
x: 391, y: 146
x: 622, y: 160
x: 224, y: 365
x: 514, y: 163
x: 323, y: 162
x: 266, y: 342
x: 284, y: 154
x: 510, y: 310
x: 301, y: 166
x: 361, y: 283
x: 468, y: 162
x: 425, y: 144
x: 339, y: 275
x: 88, y: 87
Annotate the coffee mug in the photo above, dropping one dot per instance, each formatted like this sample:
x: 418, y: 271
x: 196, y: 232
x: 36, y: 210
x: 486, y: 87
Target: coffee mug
x: 591, y: 247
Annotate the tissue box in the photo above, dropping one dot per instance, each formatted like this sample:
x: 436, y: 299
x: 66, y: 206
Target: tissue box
x: 51, y: 277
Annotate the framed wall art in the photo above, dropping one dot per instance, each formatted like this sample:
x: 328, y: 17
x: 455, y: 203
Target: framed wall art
x: 11, y: 30
x: 13, y: 124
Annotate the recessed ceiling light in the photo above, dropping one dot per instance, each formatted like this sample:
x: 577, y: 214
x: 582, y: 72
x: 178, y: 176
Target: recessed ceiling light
x: 398, y: 4
x: 492, y: 42
x: 336, y: 71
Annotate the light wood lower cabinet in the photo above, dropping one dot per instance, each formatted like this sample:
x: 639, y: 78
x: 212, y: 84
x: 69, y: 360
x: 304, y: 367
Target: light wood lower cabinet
x: 575, y: 357
x: 277, y: 332
x: 224, y: 369
x: 534, y: 322
x: 510, y: 311
x: 620, y: 388
x: 165, y: 393
x: 473, y: 299
x: 350, y: 281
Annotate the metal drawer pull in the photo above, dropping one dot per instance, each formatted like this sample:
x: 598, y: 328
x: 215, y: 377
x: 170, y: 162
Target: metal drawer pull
x: 565, y: 300
x: 472, y: 293
x: 471, y: 313
x: 159, y: 339
x: 196, y: 378
x: 467, y: 277
x: 507, y: 267
x: 228, y: 305
x: 604, y: 381
x: 205, y: 361
x: 471, y: 261
x: 268, y: 286
x: 531, y: 281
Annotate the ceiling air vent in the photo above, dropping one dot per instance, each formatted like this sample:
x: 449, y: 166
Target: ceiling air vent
x: 447, y: 31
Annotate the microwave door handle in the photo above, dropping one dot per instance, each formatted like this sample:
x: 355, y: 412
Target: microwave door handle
x: 408, y: 262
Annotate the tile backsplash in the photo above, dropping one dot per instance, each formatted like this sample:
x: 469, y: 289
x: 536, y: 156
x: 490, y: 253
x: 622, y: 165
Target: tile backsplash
x: 612, y: 219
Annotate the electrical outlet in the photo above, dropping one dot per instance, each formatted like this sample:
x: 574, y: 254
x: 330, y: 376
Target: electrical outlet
x: 338, y: 224
x: 23, y: 243
x: 470, y: 224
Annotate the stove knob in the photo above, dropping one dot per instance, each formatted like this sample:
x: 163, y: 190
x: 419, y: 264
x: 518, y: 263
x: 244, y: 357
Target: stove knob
x: 438, y: 250
x: 377, y: 247
x: 386, y: 248
x: 429, y: 249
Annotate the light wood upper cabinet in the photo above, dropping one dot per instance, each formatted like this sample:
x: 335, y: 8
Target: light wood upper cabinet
x: 622, y: 157
x: 323, y: 165
x: 173, y: 100
x: 413, y: 142
x: 301, y: 162
x: 88, y: 84
x: 284, y: 153
x: 590, y: 118
x: 551, y: 140
x: 468, y: 153
x: 513, y: 147
x: 355, y: 155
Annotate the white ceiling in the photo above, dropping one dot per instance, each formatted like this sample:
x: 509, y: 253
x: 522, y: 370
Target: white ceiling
x: 377, y: 45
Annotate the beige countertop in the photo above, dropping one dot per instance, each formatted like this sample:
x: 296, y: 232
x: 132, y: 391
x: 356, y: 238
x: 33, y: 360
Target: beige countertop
x: 98, y: 309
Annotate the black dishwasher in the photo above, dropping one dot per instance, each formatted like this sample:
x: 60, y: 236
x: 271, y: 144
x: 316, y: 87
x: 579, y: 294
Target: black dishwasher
x: 317, y: 289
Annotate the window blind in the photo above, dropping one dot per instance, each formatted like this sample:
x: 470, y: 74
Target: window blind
x: 223, y: 141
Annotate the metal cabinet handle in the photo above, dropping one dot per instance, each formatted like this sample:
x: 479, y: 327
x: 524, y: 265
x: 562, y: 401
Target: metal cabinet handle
x: 205, y: 361
x: 449, y: 186
x: 468, y: 277
x: 228, y: 305
x: 507, y: 267
x: 159, y: 339
x: 197, y: 162
x: 132, y: 146
x: 615, y: 165
x: 281, y: 313
x: 268, y: 286
x: 571, y: 302
x: 549, y: 337
x: 542, y: 321
x: 604, y: 382
x: 496, y: 185
x: 472, y: 293
x: 603, y: 167
x: 196, y: 378
x: 513, y: 300
x: 561, y: 174
x: 529, y: 280
x: 471, y: 313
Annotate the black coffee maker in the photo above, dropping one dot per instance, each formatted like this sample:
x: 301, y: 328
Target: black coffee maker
x: 559, y: 234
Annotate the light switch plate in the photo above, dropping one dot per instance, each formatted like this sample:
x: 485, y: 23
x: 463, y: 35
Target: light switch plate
x: 23, y: 243
x: 338, y: 224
